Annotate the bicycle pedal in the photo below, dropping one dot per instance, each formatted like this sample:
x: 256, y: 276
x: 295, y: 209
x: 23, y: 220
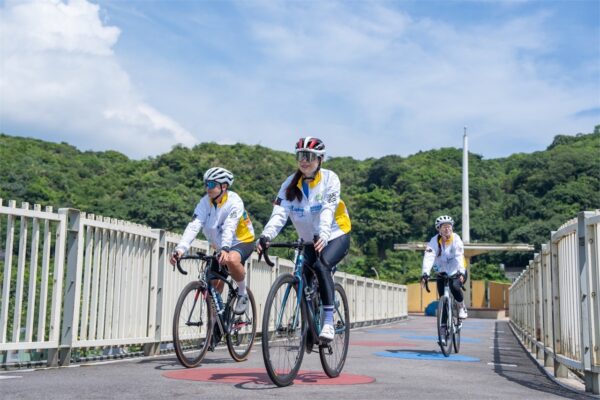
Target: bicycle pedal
x: 327, y: 347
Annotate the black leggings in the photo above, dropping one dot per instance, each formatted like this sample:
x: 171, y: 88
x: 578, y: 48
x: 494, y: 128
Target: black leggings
x: 455, y: 288
x: 333, y: 253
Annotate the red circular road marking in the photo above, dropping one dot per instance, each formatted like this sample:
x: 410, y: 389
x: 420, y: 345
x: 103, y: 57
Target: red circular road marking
x: 370, y: 343
x: 259, y: 376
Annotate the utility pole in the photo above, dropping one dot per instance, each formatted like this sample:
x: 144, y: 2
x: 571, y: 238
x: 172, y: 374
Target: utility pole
x: 466, y: 237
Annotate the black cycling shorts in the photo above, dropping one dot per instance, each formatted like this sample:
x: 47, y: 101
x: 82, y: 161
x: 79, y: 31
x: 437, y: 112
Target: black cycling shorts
x: 244, y: 249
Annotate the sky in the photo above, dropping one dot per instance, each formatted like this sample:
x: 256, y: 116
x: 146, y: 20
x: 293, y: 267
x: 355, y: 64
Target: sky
x: 370, y: 78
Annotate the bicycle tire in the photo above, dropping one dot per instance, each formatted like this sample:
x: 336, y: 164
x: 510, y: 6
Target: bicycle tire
x: 242, y: 330
x: 333, y: 354
x: 192, y: 339
x: 283, y: 349
x: 456, y: 328
x: 444, y: 333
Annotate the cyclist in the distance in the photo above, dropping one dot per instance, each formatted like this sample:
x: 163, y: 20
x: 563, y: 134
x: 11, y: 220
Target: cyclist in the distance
x: 311, y: 199
x: 446, y: 251
x: 221, y: 216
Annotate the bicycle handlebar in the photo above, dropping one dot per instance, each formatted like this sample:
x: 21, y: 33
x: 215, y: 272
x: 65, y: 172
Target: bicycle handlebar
x: 199, y: 256
x: 427, y: 277
x: 300, y: 244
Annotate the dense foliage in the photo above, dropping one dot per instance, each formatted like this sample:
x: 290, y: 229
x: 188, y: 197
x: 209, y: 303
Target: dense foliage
x: 392, y: 199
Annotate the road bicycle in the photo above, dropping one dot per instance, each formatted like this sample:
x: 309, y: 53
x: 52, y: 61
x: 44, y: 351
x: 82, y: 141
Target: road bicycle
x: 293, y: 318
x: 201, y: 318
x: 448, y: 328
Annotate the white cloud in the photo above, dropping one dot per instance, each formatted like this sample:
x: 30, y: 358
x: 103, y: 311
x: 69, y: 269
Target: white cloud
x: 61, y: 80
x: 407, y: 84
x: 369, y: 78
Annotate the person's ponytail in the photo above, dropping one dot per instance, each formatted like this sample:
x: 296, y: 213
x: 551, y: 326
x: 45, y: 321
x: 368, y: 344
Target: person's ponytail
x: 292, y: 190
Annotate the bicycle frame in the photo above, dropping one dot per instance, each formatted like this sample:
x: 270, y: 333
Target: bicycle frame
x: 304, y: 298
x: 206, y: 276
x: 448, y: 294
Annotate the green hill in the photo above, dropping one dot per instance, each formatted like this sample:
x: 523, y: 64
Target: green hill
x: 392, y: 199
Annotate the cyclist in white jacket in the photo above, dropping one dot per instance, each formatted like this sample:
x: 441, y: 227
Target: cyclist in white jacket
x: 445, y: 251
x: 221, y: 216
x: 311, y: 199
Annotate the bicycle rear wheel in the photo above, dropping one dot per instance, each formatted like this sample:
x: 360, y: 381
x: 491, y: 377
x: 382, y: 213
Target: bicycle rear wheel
x: 444, y: 326
x: 283, y: 329
x: 333, y: 354
x: 192, y: 325
x: 242, y: 330
x: 457, y: 325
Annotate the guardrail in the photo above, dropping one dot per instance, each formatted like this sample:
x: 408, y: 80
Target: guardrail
x: 105, y: 283
x: 555, y: 302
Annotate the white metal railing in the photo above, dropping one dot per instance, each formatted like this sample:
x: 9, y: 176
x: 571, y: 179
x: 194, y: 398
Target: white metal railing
x: 555, y: 302
x: 81, y: 281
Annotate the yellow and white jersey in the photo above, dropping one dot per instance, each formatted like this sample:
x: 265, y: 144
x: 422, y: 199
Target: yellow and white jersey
x: 448, y: 256
x: 321, y: 212
x: 224, y: 224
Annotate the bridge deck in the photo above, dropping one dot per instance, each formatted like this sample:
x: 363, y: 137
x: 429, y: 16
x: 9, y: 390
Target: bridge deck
x: 399, y: 360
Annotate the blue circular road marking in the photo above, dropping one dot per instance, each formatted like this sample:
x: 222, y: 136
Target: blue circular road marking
x: 425, y: 355
x: 435, y: 338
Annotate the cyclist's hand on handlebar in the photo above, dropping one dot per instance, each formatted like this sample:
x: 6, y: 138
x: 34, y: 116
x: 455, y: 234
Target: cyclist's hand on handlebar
x: 262, y: 243
x: 176, y: 255
x: 223, y: 255
x: 424, y: 279
x: 461, y: 278
x: 320, y: 242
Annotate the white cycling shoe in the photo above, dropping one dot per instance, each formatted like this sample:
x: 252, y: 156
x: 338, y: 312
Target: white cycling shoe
x: 462, y: 312
x: 327, y: 333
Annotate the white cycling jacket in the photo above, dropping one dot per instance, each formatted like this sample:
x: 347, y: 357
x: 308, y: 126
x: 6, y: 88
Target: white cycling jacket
x: 224, y: 224
x: 448, y: 256
x: 320, y: 213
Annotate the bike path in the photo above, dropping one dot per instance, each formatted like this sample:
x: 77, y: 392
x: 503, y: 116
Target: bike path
x: 399, y: 360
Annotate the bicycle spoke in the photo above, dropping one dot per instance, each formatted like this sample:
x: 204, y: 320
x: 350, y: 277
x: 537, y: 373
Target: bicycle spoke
x: 333, y: 354
x: 191, y: 325
x: 282, y: 332
x: 242, y: 330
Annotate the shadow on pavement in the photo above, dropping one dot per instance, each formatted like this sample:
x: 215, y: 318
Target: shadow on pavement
x: 526, y: 372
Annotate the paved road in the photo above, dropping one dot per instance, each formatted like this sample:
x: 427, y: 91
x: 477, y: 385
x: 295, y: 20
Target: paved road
x: 399, y: 360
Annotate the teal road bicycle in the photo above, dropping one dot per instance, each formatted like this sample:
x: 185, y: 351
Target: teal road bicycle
x: 293, y: 318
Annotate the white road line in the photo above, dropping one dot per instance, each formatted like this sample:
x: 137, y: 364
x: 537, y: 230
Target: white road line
x: 501, y: 348
x: 502, y: 365
x: 10, y: 377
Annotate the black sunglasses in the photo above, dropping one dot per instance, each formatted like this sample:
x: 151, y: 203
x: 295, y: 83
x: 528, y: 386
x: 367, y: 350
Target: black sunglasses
x: 306, y: 155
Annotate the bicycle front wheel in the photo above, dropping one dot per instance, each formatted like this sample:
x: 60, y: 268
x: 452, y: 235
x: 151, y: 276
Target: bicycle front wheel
x: 192, y: 325
x: 457, y: 325
x: 242, y: 330
x: 444, y: 325
x: 333, y: 354
x: 283, y: 328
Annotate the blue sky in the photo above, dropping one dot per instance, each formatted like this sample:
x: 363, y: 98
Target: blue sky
x: 369, y: 78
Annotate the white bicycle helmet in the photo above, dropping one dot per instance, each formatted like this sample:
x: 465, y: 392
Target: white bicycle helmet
x: 443, y: 219
x: 312, y: 145
x: 219, y: 174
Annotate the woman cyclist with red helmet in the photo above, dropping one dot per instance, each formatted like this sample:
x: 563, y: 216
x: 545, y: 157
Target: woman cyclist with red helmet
x: 311, y: 199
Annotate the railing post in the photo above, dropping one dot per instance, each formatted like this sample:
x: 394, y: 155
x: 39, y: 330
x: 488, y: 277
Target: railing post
x: 560, y: 370
x: 74, y: 252
x: 592, y: 379
x: 159, y: 268
x: 546, y: 305
x: 593, y: 261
